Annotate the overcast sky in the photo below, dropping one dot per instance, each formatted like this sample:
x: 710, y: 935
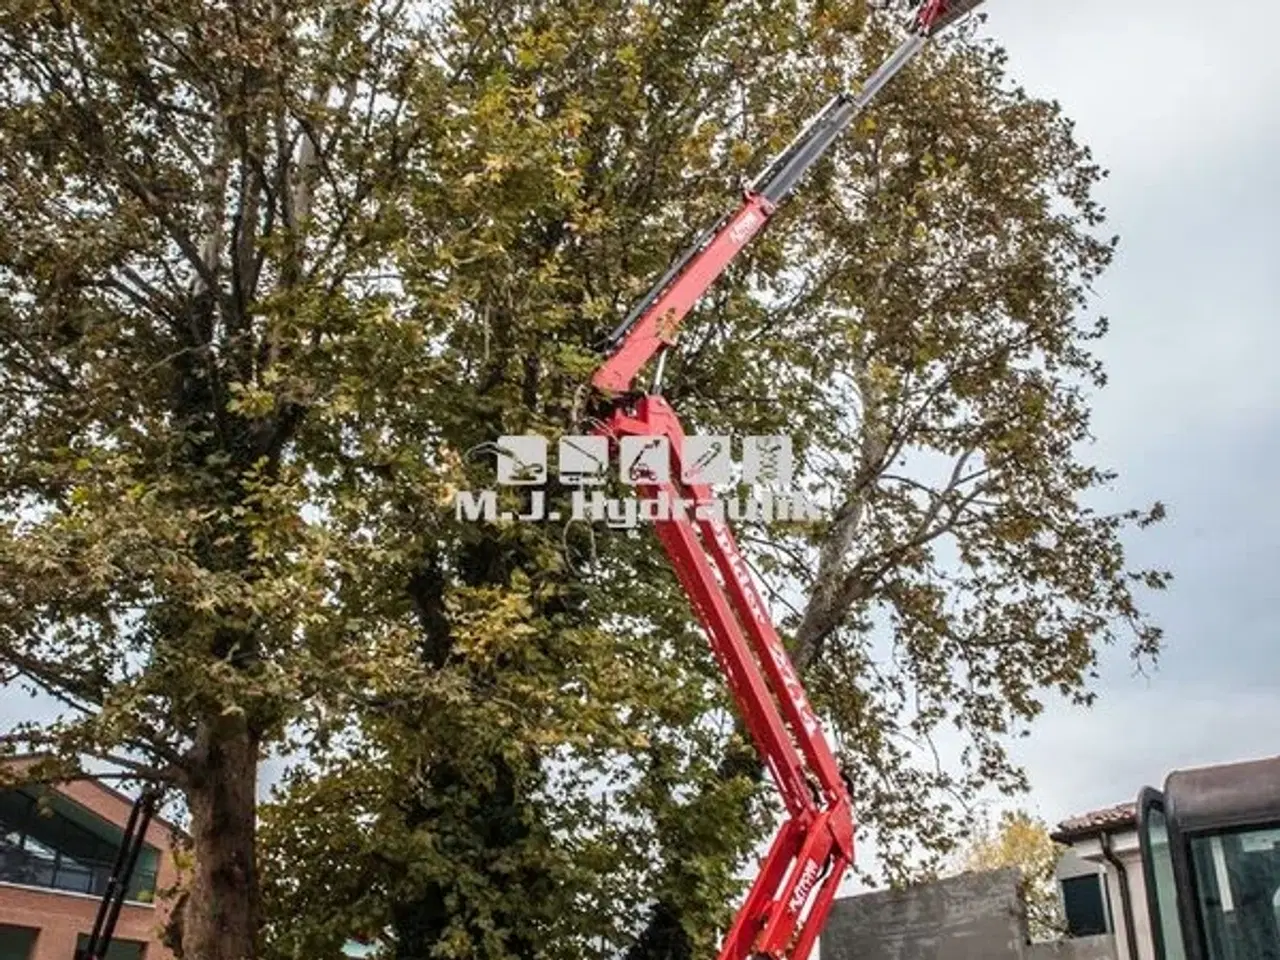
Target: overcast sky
x: 1181, y: 102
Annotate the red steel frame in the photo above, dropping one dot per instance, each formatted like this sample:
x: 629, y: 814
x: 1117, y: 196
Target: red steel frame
x: 668, y: 304
x: 815, y: 845
x: 788, y: 903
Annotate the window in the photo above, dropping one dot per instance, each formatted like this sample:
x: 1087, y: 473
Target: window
x: 63, y: 847
x: 1084, y: 902
x: 16, y: 943
x: 119, y: 949
x: 1162, y: 893
x: 1237, y: 878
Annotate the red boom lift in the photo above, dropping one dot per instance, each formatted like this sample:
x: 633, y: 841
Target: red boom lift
x: 787, y: 905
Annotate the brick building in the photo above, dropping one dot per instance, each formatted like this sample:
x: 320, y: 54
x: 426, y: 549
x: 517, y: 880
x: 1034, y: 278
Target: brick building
x: 57, y: 847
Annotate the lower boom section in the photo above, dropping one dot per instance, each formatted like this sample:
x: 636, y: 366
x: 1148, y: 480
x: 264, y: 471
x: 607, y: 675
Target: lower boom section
x: 789, y: 900
x: 788, y: 903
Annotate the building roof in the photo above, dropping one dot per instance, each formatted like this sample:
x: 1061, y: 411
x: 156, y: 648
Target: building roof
x: 1122, y: 816
x: 76, y: 788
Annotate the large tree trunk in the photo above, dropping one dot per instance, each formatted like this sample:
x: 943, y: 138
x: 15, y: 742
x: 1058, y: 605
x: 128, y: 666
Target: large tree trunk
x: 220, y: 916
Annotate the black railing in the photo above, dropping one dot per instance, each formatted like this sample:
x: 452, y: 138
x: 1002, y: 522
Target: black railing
x: 58, y: 872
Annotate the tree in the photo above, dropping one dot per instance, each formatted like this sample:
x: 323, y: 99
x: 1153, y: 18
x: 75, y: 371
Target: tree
x: 195, y: 193
x: 918, y: 317
x: 273, y: 271
x: 1021, y: 840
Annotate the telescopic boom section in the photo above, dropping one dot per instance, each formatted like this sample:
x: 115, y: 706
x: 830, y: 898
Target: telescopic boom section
x: 651, y: 325
x: 788, y: 903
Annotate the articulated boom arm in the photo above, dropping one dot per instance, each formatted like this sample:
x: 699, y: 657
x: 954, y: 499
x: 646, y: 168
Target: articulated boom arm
x: 789, y: 900
x: 651, y: 324
x: 815, y: 846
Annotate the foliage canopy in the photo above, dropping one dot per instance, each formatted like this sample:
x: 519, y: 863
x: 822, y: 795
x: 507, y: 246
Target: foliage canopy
x: 1020, y: 840
x: 272, y: 270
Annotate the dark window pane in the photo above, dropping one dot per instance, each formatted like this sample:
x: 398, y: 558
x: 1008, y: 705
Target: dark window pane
x: 15, y: 809
x: 16, y: 942
x: 142, y: 885
x: 119, y: 949
x: 14, y: 864
x: 1163, y: 885
x: 58, y: 833
x: 73, y: 876
x: 53, y: 850
x: 39, y: 872
x: 1086, y: 911
x: 1238, y: 887
x: 101, y: 876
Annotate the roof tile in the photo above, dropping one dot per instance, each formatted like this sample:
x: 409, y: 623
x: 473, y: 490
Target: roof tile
x: 1120, y: 816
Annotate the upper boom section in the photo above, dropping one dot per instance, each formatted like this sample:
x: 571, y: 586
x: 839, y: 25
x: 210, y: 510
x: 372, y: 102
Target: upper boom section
x: 935, y: 15
x: 652, y: 323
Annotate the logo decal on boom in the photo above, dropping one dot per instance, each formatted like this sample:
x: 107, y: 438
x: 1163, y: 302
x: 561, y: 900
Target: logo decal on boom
x: 805, y: 886
x: 743, y: 230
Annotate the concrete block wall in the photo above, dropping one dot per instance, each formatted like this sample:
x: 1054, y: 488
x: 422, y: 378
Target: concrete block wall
x: 1083, y: 948
x: 975, y: 916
